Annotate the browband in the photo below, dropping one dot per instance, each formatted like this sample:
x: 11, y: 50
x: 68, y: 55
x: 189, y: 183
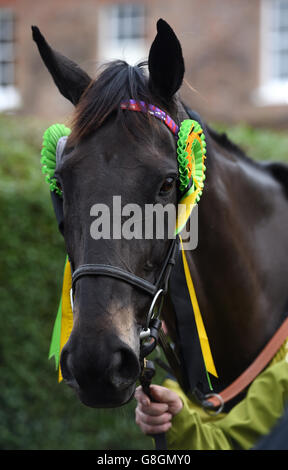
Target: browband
x: 141, y: 106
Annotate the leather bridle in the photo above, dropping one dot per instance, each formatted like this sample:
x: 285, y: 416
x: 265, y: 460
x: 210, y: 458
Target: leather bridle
x: 151, y: 330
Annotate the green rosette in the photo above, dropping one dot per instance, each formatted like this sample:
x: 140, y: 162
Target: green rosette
x: 197, y: 156
x: 48, y: 153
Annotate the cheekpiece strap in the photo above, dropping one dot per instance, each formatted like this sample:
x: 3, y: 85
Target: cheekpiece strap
x: 141, y: 106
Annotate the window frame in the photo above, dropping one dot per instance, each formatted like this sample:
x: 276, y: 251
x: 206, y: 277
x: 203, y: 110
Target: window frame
x: 9, y: 95
x: 273, y: 90
x: 131, y: 48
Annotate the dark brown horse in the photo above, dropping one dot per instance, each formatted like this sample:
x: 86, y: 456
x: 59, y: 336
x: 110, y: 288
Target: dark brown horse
x: 239, y: 268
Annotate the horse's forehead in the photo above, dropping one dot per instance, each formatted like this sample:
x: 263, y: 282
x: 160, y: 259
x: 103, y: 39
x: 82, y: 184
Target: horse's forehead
x: 110, y: 150
x: 113, y: 146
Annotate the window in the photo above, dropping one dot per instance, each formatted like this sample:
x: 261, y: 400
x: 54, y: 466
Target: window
x: 122, y: 32
x: 279, y: 40
x: 9, y: 97
x: 129, y: 22
x: 274, y: 52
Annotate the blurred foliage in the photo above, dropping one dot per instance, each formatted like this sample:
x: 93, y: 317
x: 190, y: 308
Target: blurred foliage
x: 35, y: 411
x: 259, y: 144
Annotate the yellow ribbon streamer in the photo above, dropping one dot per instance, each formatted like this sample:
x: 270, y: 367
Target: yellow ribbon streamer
x: 67, y: 314
x: 204, y: 343
x: 185, y: 207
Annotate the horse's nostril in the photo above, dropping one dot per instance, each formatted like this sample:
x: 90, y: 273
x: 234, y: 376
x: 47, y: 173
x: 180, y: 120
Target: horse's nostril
x: 124, y: 368
x: 66, y: 369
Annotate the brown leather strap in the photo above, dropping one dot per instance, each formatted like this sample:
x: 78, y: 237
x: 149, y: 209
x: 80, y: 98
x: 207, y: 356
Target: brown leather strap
x: 245, y: 379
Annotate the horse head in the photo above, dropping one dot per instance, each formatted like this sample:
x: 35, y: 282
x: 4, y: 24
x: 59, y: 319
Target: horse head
x: 114, y: 157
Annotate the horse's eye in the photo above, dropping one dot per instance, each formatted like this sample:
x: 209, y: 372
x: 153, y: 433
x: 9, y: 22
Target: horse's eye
x: 167, y: 185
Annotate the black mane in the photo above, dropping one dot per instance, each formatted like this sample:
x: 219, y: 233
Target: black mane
x: 118, y: 82
x: 223, y: 140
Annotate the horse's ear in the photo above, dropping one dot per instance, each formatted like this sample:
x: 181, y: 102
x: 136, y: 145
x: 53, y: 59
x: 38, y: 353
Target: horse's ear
x: 166, y: 63
x: 70, y: 79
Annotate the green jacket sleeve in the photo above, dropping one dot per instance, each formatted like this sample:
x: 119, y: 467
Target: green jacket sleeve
x: 243, y: 426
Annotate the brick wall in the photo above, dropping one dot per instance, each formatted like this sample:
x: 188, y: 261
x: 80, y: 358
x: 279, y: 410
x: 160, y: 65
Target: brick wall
x: 220, y: 40
x: 221, y: 43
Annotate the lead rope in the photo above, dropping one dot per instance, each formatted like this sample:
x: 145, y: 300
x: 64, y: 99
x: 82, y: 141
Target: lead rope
x: 148, y: 372
x: 147, y: 375
x: 153, y: 329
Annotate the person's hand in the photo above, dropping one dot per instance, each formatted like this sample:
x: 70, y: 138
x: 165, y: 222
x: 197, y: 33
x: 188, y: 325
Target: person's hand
x: 152, y: 417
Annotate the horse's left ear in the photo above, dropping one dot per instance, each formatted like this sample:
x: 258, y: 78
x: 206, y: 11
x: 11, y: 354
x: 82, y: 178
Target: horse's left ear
x: 166, y: 63
x: 70, y: 79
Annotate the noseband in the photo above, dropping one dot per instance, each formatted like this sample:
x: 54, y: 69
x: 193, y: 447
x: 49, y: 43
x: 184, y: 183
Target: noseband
x: 157, y: 290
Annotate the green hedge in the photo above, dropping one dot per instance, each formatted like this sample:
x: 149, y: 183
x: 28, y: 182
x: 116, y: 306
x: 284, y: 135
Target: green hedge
x: 35, y: 411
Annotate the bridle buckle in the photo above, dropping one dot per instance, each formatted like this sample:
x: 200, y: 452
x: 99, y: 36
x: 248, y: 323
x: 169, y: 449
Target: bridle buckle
x: 153, y: 313
x: 210, y: 408
x: 146, y: 331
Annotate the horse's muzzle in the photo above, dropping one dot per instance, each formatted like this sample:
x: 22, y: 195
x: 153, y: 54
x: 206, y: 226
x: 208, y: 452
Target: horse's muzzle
x: 103, y: 376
